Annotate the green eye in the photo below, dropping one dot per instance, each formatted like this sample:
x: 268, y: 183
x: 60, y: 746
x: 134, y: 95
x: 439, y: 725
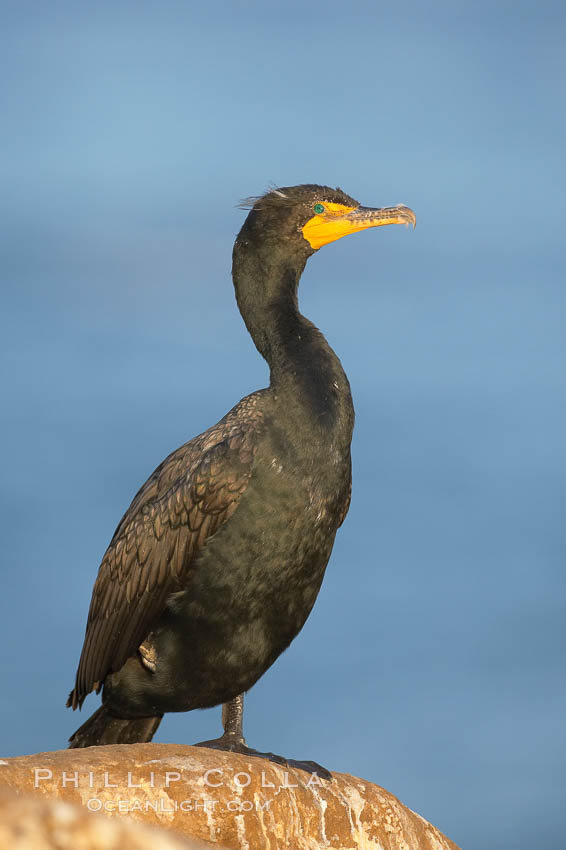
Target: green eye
x: 318, y: 208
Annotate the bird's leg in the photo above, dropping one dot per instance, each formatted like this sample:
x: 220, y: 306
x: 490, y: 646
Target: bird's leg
x: 233, y: 723
x: 233, y: 720
x: 233, y: 740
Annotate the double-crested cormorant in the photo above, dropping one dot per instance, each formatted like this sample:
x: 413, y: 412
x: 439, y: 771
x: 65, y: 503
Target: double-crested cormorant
x: 216, y: 564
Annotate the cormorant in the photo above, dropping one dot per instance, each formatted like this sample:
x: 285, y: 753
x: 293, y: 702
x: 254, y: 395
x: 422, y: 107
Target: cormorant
x: 215, y: 566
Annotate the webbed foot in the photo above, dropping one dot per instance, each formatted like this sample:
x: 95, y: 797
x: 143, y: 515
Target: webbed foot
x: 148, y: 654
x: 233, y: 741
x: 237, y: 744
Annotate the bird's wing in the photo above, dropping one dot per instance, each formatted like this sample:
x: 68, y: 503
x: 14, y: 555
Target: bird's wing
x: 194, y: 491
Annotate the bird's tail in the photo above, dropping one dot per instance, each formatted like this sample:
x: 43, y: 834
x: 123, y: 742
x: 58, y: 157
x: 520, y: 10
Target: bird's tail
x: 104, y: 728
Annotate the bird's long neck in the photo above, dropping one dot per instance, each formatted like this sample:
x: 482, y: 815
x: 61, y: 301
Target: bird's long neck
x: 305, y: 371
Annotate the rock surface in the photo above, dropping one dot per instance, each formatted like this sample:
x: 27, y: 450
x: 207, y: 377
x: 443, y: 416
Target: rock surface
x: 33, y: 822
x: 224, y: 798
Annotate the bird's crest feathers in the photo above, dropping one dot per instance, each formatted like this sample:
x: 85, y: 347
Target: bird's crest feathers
x: 249, y: 203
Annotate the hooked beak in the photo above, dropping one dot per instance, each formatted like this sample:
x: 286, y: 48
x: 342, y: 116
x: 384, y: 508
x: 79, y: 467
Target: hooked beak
x: 338, y: 221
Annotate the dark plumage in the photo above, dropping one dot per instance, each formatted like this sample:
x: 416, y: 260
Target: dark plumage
x: 217, y: 562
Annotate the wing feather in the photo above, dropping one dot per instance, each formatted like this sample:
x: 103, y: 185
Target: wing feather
x: 154, y: 548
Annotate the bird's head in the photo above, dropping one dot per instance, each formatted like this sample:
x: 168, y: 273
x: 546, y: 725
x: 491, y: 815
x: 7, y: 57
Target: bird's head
x: 311, y: 216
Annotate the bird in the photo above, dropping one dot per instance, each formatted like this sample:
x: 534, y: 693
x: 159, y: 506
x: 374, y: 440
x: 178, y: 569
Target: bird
x: 216, y: 565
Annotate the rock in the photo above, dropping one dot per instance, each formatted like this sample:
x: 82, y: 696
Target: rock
x: 33, y: 822
x: 224, y: 798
